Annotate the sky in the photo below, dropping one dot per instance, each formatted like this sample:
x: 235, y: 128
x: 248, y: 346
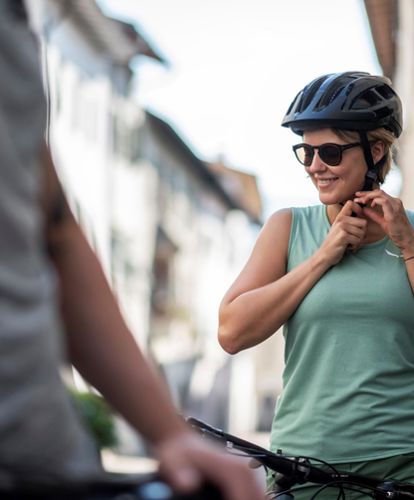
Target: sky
x: 235, y: 66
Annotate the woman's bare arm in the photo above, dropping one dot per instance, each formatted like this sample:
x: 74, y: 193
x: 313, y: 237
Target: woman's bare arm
x: 264, y: 295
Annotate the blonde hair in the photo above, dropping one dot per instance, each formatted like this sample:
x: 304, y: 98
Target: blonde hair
x: 379, y: 134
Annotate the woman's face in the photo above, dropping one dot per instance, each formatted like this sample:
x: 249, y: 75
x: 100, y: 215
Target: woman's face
x: 339, y: 183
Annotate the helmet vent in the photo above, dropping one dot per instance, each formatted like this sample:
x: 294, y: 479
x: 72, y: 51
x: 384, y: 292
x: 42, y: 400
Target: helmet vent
x: 385, y: 91
x: 329, y: 96
x: 299, y: 106
x: 310, y: 92
x: 366, y: 100
x: 381, y: 113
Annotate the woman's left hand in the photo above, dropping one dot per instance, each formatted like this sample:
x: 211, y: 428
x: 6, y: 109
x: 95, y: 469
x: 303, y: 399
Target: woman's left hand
x: 389, y: 214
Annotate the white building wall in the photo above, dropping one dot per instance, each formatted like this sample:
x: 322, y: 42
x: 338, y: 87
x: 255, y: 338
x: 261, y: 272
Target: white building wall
x: 80, y: 135
x: 404, y: 81
x: 134, y: 224
x: 213, y: 243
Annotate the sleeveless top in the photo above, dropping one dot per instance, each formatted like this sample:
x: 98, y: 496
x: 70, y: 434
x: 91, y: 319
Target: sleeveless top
x: 349, y: 375
x: 40, y: 434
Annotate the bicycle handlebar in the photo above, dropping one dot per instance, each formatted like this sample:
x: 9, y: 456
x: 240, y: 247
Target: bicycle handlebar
x: 112, y: 487
x: 298, y: 470
x: 287, y: 466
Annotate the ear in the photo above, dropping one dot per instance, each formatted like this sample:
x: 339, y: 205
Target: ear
x: 378, y: 150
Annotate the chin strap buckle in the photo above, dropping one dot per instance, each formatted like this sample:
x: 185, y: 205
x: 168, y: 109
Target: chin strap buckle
x: 371, y: 175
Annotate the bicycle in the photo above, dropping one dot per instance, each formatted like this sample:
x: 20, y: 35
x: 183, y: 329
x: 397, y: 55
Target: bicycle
x: 290, y: 472
x: 110, y: 487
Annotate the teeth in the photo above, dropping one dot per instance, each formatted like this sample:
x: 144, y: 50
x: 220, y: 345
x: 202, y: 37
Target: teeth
x: 326, y: 181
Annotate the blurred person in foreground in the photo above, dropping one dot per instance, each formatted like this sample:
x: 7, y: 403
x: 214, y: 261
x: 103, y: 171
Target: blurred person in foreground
x: 339, y: 276
x: 55, y: 301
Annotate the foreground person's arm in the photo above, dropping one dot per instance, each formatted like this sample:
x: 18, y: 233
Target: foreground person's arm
x: 105, y: 353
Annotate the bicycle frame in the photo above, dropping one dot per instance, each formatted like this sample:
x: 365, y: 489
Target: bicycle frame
x: 294, y: 471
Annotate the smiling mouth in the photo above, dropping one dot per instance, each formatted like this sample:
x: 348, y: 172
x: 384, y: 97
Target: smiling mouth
x: 327, y: 181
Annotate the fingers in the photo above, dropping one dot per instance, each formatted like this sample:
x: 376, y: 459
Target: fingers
x: 188, y: 462
x: 379, y: 198
x: 351, y: 208
x: 354, y: 237
x: 235, y: 479
x: 347, y: 232
x: 177, y: 469
x: 367, y: 196
x: 374, y: 216
x: 378, y: 206
x: 349, y: 219
x: 381, y: 207
x: 389, y: 213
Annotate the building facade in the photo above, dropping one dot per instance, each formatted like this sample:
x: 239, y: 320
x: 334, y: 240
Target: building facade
x: 392, y: 29
x: 169, y: 230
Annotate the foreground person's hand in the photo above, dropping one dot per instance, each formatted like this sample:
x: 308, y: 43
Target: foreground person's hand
x: 186, y: 462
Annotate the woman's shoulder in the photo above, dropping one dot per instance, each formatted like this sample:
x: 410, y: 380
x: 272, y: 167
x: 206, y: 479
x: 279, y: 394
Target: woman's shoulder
x: 286, y: 215
x: 278, y: 221
x: 286, y: 220
x: 289, y: 211
x: 281, y: 214
x: 309, y: 214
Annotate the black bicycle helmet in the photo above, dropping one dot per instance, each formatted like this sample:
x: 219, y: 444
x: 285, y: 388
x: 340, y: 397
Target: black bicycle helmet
x: 353, y: 100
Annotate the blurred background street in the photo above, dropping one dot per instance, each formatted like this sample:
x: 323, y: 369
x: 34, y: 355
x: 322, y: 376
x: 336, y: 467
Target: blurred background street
x: 172, y: 179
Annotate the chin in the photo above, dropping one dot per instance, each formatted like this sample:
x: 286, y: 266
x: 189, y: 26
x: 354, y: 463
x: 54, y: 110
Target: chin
x: 326, y: 199
x: 335, y: 199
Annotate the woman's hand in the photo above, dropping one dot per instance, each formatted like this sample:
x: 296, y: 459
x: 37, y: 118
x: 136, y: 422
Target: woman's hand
x: 347, y: 233
x: 389, y: 214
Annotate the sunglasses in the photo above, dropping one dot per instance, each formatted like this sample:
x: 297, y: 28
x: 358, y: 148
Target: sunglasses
x: 330, y: 153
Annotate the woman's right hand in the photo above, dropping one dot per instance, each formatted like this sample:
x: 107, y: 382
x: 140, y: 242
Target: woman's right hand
x: 347, y: 233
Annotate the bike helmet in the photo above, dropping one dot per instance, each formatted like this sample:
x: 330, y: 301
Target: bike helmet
x: 351, y: 100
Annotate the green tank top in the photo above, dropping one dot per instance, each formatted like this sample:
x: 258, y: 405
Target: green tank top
x: 349, y: 374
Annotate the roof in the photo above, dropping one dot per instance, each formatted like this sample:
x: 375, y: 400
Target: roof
x: 118, y: 39
x: 201, y: 169
x: 383, y: 21
x: 242, y: 185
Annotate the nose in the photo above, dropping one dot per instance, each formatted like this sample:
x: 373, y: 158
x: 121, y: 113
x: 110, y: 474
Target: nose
x: 317, y: 164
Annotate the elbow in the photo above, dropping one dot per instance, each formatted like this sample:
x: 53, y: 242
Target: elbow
x: 229, y: 331
x: 227, y: 341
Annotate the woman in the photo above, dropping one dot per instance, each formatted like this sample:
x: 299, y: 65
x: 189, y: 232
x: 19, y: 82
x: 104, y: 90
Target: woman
x: 340, y: 277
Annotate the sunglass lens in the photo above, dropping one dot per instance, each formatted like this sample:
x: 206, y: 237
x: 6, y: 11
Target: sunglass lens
x: 330, y: 154
x: 305, y: 155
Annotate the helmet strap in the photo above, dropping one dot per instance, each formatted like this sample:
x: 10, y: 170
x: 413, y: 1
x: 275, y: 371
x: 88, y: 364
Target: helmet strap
x: 371, y: 177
